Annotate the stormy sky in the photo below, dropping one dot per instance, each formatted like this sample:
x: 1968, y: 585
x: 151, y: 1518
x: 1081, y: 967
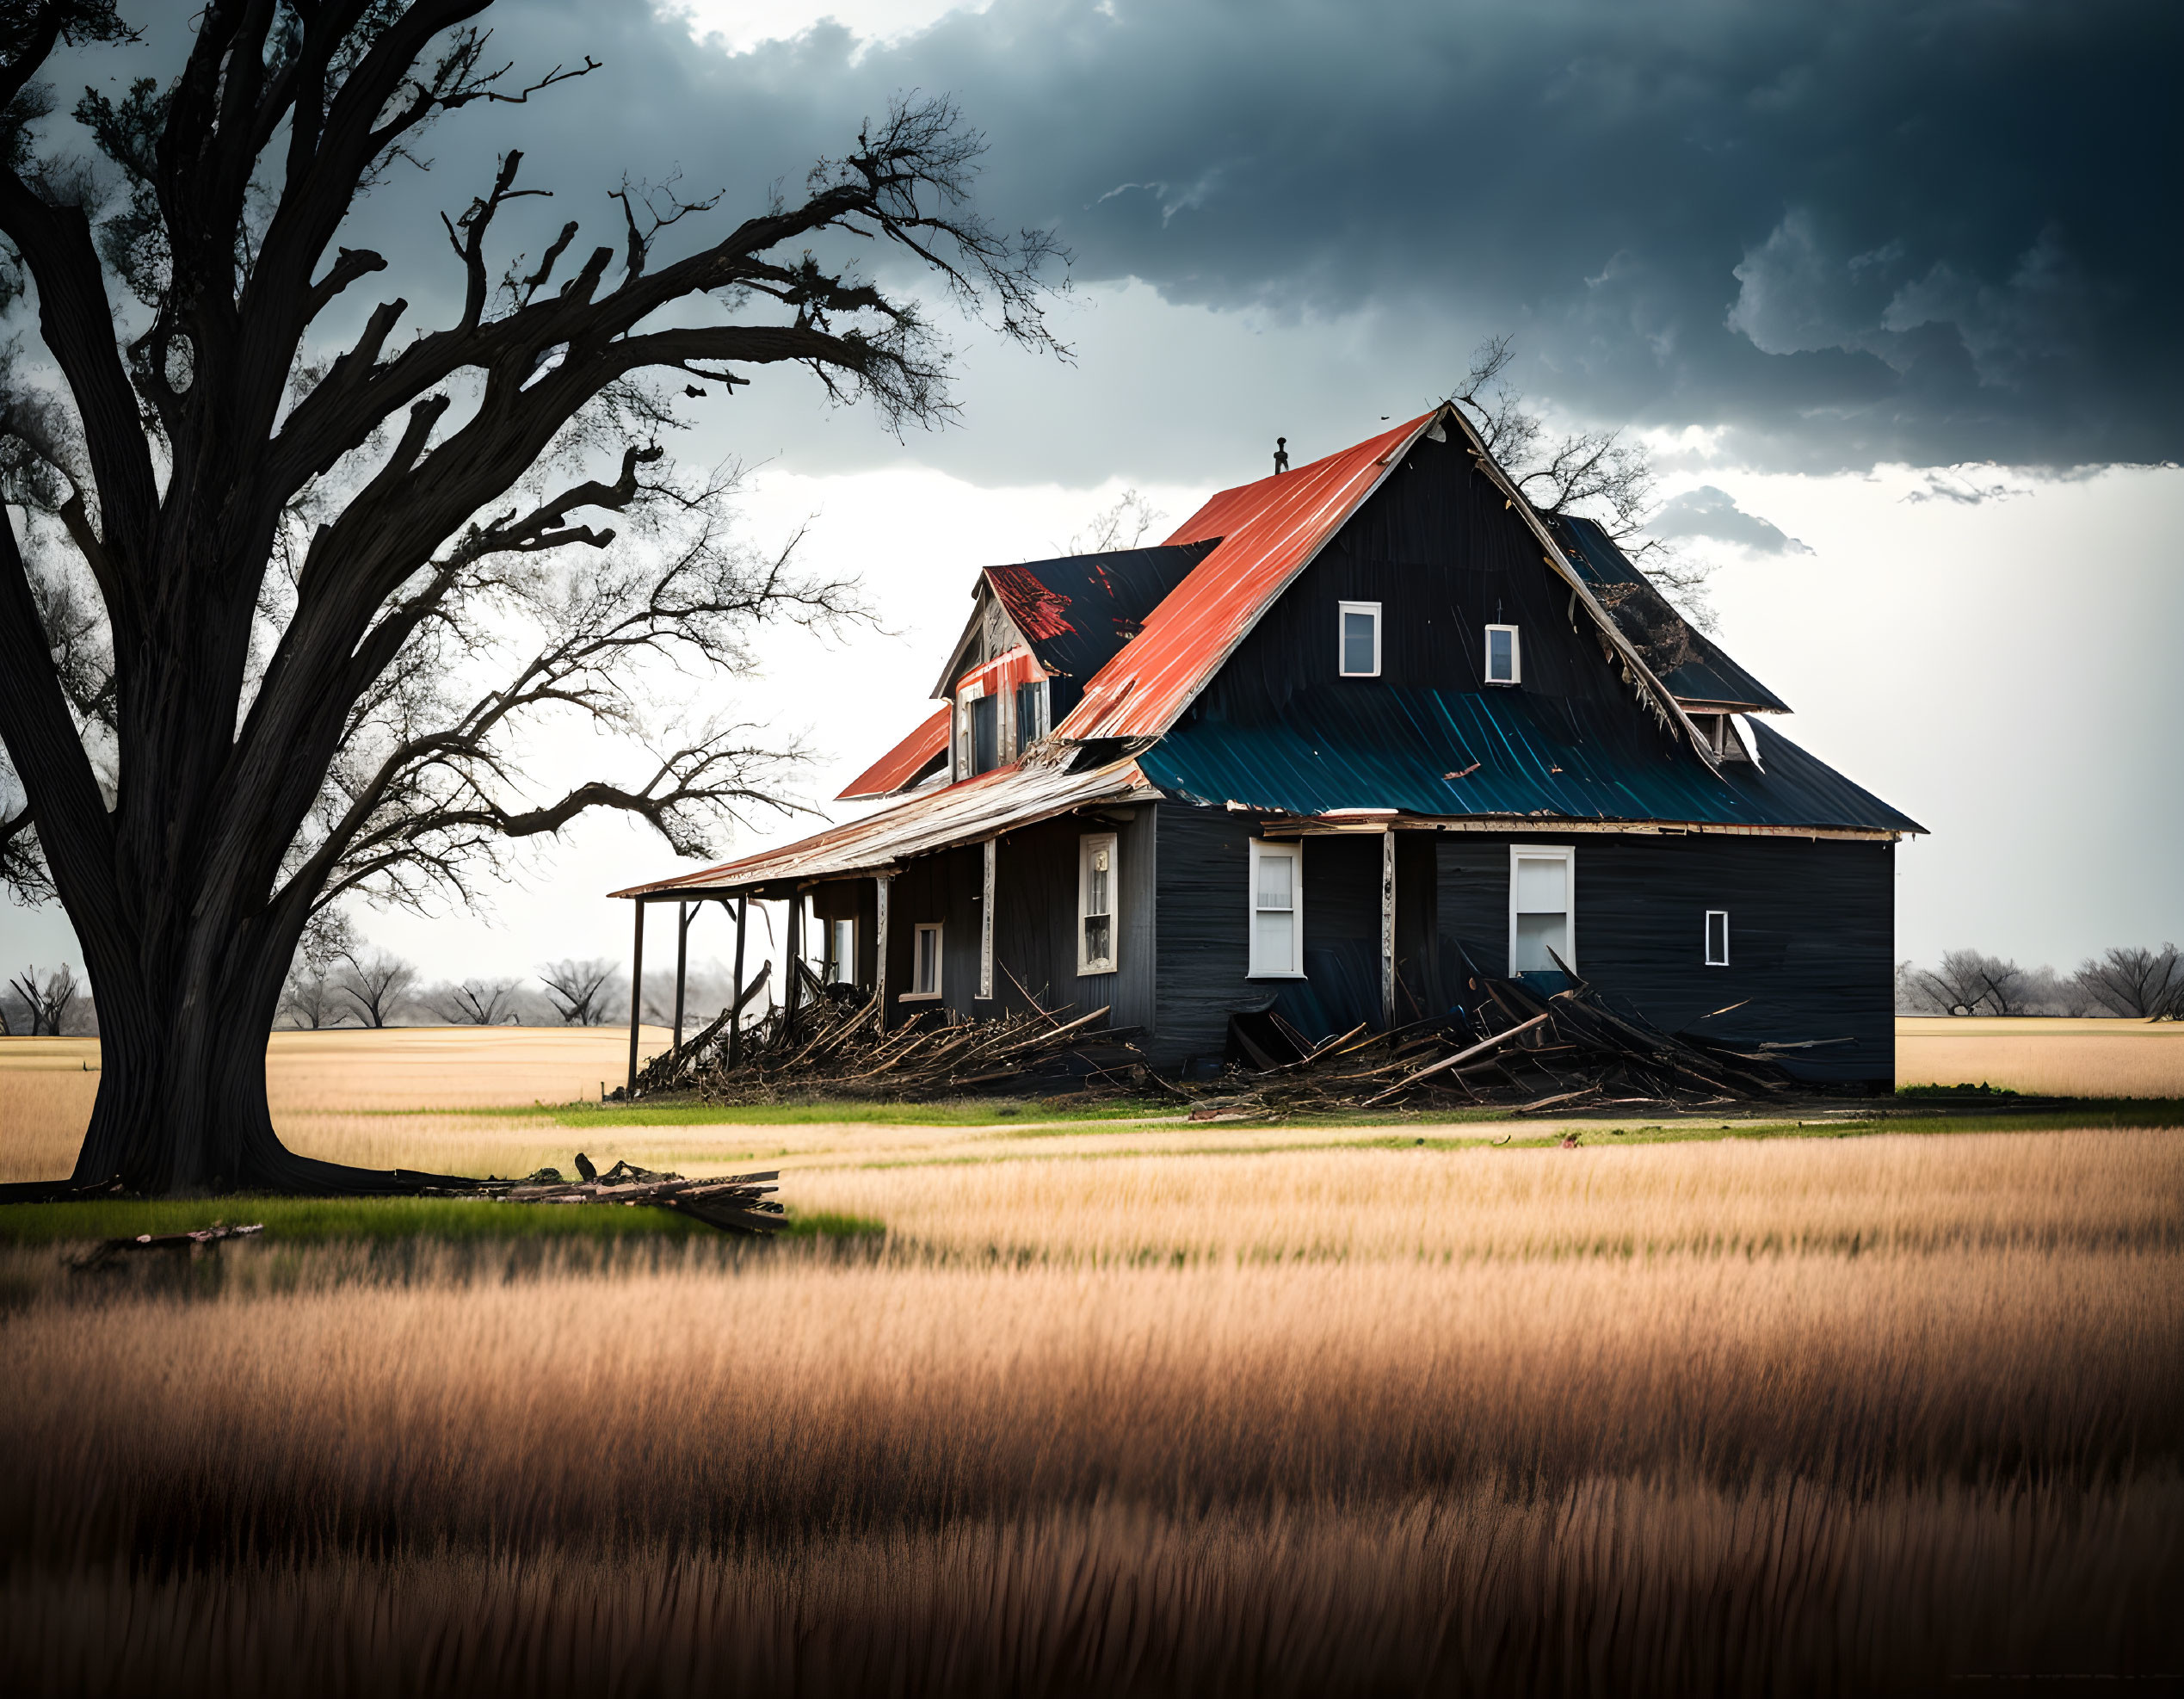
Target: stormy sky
x: 1887, y: 289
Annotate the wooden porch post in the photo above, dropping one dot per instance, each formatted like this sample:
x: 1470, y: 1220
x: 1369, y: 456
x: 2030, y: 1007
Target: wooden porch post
x: 879, y: 942
x: 1388, y: 928
x: 985, y: 924
x: 636, y: 996
x: 682, y: 966
x: 794, y: 999
x: 735, y: 1020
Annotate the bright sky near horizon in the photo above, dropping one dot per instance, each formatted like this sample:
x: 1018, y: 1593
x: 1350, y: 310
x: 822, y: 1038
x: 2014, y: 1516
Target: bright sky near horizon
x: 1986, y: 645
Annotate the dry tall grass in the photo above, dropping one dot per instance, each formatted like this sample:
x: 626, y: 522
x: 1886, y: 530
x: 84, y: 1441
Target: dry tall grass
x: 2053, y: 1058
x: 1140, y: 1411
x: 1814, y: 1473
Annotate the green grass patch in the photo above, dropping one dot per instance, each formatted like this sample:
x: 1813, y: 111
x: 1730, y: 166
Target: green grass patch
x: 949, y: 1112
x: 294, y: 1220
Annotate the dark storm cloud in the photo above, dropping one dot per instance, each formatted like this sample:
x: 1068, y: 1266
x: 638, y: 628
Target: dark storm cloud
x: 1840, y: 232
x: 1710, y: 513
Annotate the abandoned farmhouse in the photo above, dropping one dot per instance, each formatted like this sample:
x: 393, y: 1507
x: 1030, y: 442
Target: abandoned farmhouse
x: 1356, y: 736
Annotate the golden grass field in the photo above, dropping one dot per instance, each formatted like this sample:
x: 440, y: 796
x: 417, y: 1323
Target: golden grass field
x: 1141, y: 1409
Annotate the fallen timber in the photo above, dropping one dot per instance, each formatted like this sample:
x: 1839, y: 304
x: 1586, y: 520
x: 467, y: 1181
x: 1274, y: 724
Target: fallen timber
x: 1508, y: 1046
x: 735, y: 1203
x: 1511, y: 1049
x: 833, y: 1046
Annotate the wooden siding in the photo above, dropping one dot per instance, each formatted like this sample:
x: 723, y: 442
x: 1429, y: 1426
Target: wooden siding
x: 1437, y: 549
x: 1811, y: 934
x: 1035, y: 922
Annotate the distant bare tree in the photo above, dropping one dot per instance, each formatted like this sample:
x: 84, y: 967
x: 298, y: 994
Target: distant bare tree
x: 475, y: 1003
x: 47, y: 1002
x: 309, y: 994
x: 1969, y: 982
x: 2146, y: 983
x: 1124, y: 525
x: 1592, y: 472
x: 376, y: 984
x: 582, y: 991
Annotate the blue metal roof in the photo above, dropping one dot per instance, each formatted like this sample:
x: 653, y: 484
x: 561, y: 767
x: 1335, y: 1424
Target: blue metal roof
x: 1684, y: 657
x: 1454, y: 754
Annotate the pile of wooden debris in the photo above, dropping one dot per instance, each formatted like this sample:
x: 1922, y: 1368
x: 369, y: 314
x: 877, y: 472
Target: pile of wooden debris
x: 831, y: 1045
x: 737, y: 1203
x: 1513, y: 1049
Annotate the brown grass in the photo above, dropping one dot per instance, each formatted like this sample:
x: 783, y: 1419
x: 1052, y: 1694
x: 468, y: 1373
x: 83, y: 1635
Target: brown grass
x: 1140, y: 1411
x: 1755, y: 1473
x: 2053, y: 1058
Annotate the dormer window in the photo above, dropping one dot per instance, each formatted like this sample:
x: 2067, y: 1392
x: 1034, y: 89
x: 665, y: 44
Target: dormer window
x: 1504, y: 657
x: 1358, y: 647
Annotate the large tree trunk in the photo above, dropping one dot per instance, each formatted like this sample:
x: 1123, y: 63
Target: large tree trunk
x: 181, y: 1105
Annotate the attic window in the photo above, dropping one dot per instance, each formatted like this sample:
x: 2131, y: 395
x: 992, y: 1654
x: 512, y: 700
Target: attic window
x: 1504, y: 656
x: 1359, y: 646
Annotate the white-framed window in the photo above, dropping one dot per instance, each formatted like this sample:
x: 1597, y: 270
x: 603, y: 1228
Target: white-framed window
x: 1543, y: 907
x: 1099, y: 877
x: 1717, y: 937
x: 1504, y: 656
x: 1277, y: 910
x: 925, y: 960
x: 841, y: 953
x: 1358, y: 639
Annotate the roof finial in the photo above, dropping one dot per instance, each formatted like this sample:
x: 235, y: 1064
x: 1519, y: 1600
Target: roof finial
x: 1281, y: 455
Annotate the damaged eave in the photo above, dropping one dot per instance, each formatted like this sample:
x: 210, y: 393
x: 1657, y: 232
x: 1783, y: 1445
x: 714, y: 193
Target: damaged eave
x: 1665, y: 701
x: 1048, y: 783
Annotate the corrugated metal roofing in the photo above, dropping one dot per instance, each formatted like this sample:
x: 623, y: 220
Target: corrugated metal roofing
x: 1270, y: 531
x: 903, y: 763
x: 1020, y: 794
x: 1499, y: 754
x: 1077, y: 611
x: 1687, y: 661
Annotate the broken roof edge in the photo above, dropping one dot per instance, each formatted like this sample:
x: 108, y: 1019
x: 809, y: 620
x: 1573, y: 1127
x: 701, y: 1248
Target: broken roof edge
x: 903, y: 765
x: 1664, y: 700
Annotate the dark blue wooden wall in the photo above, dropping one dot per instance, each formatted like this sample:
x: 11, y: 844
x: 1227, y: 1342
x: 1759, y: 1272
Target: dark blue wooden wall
x: 1812, y: 933
x: 1034, y: 928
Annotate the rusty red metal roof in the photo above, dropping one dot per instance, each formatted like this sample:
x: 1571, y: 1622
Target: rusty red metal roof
x: 1269, y: 532
x: 902, y: 764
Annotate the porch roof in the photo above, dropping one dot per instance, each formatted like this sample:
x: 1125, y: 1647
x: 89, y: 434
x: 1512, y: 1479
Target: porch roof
x: 1050, y: 781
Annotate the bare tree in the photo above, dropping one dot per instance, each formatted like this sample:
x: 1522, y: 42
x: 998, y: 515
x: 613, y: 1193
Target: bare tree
x: 309, y: 993
x: 1124, y: 525
x: 475, y: 1003
x: 275, y: 613
x: 1969, y: 982
x: 376, y: 985
x: 583, y: 992
x: 48, y: 1001
x: 2145, y: 983
x: 1596, y: 474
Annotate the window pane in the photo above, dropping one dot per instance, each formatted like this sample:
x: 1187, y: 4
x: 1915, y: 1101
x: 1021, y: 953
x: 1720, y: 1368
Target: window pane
x: 1097, y: 933
x: 1277, y: 882
x: 1536, y: 935
x: 1276, y: 950
x: 1718, y: 938
x: 1357, y: 643
x: 1500, y: 664
x: 929, y: 959
x: 1095, y: 892
x: 1543, y: 886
